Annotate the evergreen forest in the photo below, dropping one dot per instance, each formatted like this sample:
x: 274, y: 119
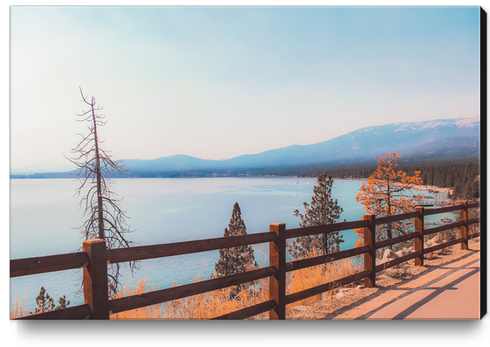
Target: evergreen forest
x: 462, y: 175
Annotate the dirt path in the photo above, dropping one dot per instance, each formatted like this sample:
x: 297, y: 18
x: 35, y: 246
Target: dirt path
x: 409, y: 292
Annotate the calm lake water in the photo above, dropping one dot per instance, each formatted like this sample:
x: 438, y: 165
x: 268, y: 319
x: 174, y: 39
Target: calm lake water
x: 44, y: 214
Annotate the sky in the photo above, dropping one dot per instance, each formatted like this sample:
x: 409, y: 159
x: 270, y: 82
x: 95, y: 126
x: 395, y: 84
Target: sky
x: 218, y: 82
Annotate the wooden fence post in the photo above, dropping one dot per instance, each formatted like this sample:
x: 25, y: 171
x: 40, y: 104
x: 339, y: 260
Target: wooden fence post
x: 464, y: 228
x: 370, y: 257
x: 277, y: 283
x: 95, y: 287
x: 419, y: 241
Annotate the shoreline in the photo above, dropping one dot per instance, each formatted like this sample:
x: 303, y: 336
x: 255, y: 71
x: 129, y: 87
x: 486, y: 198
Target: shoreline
x: 423, y: 187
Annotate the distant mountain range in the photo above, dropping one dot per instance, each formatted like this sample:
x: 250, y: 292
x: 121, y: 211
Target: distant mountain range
x: 447, y: 138
x: 437, y: 138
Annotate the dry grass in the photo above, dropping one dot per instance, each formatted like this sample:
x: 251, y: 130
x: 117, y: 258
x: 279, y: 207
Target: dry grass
x: 220, y: 302
x: 317, y: 275
x: 304, y: 279
x: 16, y: 311
x: 216, y: 303
x: 149, y: 312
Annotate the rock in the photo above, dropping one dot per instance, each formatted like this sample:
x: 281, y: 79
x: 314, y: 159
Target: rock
x: 388, y: 255
x: 342, y: 292
x: 301, y: 308
x: 443, y: 251
x: 403, y: 252
x: 433, y: 242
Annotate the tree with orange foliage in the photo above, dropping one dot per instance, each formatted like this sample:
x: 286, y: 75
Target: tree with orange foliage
x: 388, y: 192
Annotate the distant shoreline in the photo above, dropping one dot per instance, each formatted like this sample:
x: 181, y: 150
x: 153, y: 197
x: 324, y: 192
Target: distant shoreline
x: 422, y: 187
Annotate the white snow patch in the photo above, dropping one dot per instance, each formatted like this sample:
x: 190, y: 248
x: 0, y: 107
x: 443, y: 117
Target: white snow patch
x: 433, y: 124
x: 468, y: 121
x: 408, y: 124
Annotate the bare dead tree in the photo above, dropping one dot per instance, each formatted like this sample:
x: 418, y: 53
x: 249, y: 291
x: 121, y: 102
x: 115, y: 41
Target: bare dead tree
x: 105, y: 219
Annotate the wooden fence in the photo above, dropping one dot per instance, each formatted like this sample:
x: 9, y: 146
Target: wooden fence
x: 95, y: 257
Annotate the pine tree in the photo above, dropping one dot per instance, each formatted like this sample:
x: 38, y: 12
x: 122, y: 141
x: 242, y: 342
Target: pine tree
x: 236, y: 259
x: 45, y: 303
x: 323, y: 210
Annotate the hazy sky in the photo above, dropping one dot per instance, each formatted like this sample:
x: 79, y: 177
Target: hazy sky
x: 215, y: 82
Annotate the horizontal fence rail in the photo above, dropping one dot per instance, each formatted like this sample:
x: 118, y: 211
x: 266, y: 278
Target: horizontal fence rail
x: 324, y: 229
x: 250, y: 311
x: 319, y: 260
x: 398, y: 239
x: 304, y: 294
x: 444, y: 227
x: 397, y: 261
x: 442, y: 210
x: 443, y: 245
x: 95, y: 257
x: 49, y: 263
x: 396, y: 218
x: 187, y: 247
x: 472, y: 236
x: 169, y: 294
x: 75, y: 312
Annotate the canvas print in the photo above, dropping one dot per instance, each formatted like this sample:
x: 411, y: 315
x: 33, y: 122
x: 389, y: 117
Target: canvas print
x: 246, y: 163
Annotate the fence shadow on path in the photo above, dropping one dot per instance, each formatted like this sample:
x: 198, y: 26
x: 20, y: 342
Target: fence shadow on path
x: 406, y: 291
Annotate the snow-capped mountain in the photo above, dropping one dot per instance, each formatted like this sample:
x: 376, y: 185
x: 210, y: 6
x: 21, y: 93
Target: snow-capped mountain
x: 434, y: 139
x: 430, y: 139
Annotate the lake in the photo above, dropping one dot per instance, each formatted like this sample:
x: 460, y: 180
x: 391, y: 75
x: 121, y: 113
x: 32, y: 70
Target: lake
x: 44, y: 215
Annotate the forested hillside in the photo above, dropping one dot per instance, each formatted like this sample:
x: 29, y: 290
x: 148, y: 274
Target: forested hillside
x: 460, y: 174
